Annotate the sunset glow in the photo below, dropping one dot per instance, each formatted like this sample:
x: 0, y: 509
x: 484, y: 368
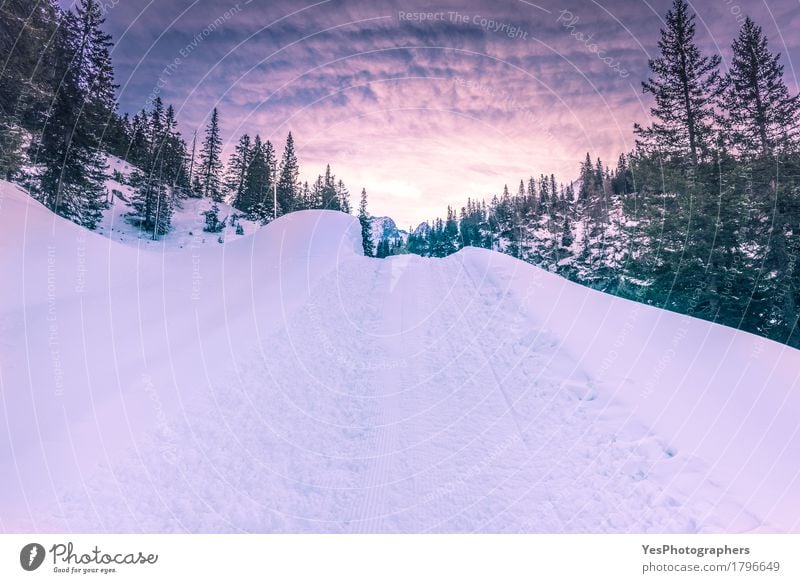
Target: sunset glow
x: 421, y: 106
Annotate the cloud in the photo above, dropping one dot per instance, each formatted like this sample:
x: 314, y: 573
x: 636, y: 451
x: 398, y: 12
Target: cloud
x: 422, y: 112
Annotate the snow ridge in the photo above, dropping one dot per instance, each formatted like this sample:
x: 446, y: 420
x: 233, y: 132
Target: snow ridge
x: 286, y: 383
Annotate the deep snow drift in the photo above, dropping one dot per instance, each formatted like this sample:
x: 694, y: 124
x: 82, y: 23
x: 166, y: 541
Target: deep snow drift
x: 285, y: 383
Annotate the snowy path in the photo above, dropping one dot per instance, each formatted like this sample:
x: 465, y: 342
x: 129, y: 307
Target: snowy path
x: 443, y: 412
x: 285, y: 383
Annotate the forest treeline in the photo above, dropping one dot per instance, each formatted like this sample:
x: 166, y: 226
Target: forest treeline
x: 702, y: 218
x: 59, y: 120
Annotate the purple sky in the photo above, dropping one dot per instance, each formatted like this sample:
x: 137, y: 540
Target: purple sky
x: 421, y: 113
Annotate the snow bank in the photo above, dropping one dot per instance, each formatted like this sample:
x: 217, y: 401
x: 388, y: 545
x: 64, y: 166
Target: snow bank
x: 99, y: 342
x: 286, y: 383
x: 726, y: 396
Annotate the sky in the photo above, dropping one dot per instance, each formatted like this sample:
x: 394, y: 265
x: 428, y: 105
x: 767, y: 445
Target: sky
x: 422, y: 103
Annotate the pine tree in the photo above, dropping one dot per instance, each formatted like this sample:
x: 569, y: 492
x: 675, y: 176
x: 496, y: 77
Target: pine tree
x: 237, y: 172
x: 213, y: 222
x: 566, y: 233
x: 343, y: 196
x: 288, y: 191
x: 156, y: 128
x: 271, y: 162
x: 139, y: 149
x: 151, y: 202
x: 587, y: 175
x: 762, y: 117
x: 117, y: 135
x: 257, y: 197
x: 194, y: 190
x: 29, y: 45
x: 450, y: 237
x: 330, y: 198
x: 162, y: 213
x: 622, y: 182
x: 11, y: 155
x: 383, y: 249
x: 763, y: 121
x: 97, y: 72
x: 211, y: 160
x: 685, y: 85
x: 72, y: 182
x: 159, y: 177
x: 174, y: 156
x: 307, y: 197
x: 366, y: 226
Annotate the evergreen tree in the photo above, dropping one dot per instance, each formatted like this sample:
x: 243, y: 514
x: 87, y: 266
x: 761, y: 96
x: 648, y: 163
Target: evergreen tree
x: 383, y: 249
x: 566, y: 233
x: 366, y: 226
x: 156, y: 128
x: 139, y: 149
x: 330, y: 198
x: 289, y: 182
x: 271, y: 162
x: 29, y: 46
x: 11, y: 155
x: 622, y: 183
x: 210, y: 169
x: 213, y: 222
x: 450, y: 236
x: 27, y: 76
x: 685, y: 85
x: 174, y: 156
x: 117, y: 135
x: 237, y: 172
x: 160, y: 175
x: 343, y: 196
x: 257, y: 197
x: 151, y: 202
x: 97, y: 72
x: 162, y: 213
x: 194, y: 184
x: 72, y: 182
x: 588, y: 178
x: 316, y: 194
x: 761, y: 115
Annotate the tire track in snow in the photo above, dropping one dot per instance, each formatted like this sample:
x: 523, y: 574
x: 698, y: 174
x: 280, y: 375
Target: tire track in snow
x: 488, y: 360
x: 400, y: 348
x: 468, y: 415
x: 578, y: 433
x: 631, y: 494
x: 368, y: 515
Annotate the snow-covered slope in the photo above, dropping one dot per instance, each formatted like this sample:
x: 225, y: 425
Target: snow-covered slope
x: 188, y: 219
x: 385, y: 229
x: 286, y: 383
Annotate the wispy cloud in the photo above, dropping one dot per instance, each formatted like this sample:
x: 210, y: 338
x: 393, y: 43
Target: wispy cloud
x: 421, y: 111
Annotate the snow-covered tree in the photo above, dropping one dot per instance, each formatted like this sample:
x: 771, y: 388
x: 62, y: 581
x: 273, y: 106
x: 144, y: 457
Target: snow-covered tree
x: 257, y: 199
x: 73, y: 180
x: 210, y: 171
x: 366, y: 226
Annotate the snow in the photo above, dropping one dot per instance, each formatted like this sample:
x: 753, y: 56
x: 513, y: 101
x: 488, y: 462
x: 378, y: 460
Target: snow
x: 286, y: 383
x: 187, y: 222
x: 384, y: 228
x: 422, y: 229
